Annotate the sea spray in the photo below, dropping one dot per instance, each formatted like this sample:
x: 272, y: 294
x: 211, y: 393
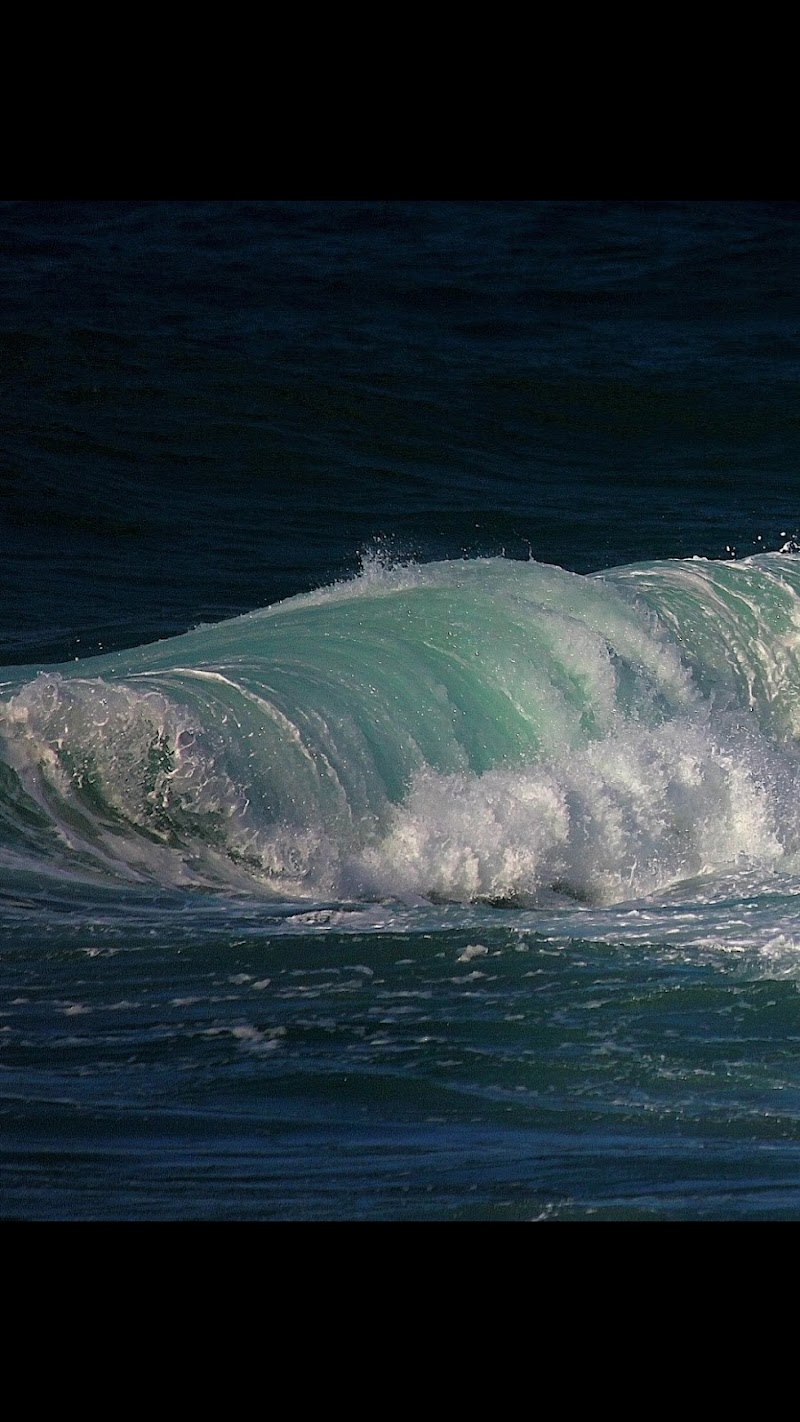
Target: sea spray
x: 483, y: 729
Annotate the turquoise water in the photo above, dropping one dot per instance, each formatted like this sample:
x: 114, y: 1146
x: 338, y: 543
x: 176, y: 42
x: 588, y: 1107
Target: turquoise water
x: 482, y: 729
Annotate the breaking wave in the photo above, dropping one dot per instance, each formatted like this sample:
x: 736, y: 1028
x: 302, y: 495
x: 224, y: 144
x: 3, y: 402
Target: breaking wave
x: 484, y: 729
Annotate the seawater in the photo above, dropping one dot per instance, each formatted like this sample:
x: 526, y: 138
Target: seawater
x: 400, y: 712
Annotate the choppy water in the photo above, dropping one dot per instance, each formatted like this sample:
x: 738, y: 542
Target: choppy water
x: 400, y: 714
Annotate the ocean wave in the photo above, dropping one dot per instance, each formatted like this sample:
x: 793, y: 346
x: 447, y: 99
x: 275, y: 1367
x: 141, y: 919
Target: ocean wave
x: 484, y: 729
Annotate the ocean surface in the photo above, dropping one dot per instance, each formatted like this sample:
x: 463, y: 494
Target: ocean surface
x: 400, y: 711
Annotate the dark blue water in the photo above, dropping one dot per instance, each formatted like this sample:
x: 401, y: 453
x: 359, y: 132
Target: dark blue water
x: 465, y: 887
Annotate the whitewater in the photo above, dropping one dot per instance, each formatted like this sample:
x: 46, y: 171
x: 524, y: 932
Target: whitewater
x: 472, y: 732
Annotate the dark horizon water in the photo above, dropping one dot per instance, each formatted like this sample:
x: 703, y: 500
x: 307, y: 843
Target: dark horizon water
x: 462, y: 885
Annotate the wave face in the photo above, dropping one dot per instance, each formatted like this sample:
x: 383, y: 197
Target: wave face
x: 471, y: 730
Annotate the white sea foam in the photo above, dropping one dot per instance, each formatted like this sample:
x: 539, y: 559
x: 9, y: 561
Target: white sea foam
x: 622, y: 818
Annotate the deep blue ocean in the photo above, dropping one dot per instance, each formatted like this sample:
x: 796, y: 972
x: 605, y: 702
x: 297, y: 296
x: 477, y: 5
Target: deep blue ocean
x: 399, y: 711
